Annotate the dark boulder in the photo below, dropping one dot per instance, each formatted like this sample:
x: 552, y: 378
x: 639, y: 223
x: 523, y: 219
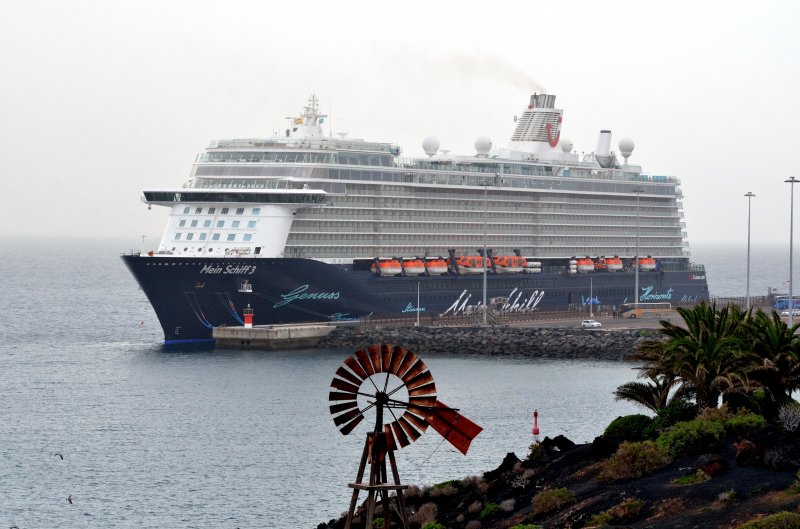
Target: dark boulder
x: 711, y: 464
x: 507, y: 465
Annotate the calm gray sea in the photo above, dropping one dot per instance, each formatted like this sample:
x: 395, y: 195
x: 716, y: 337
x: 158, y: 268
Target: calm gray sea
x: 197, y: 438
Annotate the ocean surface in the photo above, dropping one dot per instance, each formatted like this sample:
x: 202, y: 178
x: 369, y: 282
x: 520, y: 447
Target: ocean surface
x: 195, y: 438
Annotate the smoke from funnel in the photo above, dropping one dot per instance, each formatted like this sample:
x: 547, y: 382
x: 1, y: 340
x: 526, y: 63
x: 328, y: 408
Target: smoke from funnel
x: 488, y: 67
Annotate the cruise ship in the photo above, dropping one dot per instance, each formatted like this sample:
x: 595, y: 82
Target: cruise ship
x: 305, y: 226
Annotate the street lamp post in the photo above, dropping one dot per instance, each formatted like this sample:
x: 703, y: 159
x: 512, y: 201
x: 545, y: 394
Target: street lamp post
x: 638, y: 191
x: 792, y: 180
x: 749, y: 196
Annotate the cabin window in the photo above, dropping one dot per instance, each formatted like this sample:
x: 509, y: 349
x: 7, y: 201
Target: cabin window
x: 224, y: 211
x: 240, y: 211
x: 202, y: 236
x: 251, y: 224
x: 177, y: 236
x: 186, y: 210
x: 220, y: 223
x: 194, y: 224
x: 211, y: 211
x: 215, y: 237
x: 235, y: 224
x: 198, y: 210
x: 189, y: 236
x: 182, y: 223
x: 231, y: 237
x: 256, y: 211
x: 248, y: 237
x: 207, y: 224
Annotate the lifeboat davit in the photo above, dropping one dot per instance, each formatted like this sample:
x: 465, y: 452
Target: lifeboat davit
x: 585, y: 265
x: 509, y: 264
x: 436, y: 267
x: 386, y: 267
x: 471, y: 264
x: 413, y: 267
x: 647, y: 264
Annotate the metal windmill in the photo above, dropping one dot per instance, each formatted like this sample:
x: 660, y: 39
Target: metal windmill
x: 395, y: 385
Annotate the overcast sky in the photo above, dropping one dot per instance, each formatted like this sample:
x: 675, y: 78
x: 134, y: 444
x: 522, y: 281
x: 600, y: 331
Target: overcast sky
x: 101, y: 99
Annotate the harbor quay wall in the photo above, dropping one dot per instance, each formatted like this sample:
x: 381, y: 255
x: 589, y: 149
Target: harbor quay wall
x: 554, y: 343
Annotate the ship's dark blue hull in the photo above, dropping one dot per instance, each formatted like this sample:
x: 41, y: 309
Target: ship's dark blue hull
x: 191, y: 296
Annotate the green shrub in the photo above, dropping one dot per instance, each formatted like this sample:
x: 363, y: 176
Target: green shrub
x: 433, y: 525
x: 490, y: 510
x: 697, y: 477
x: 598, y: 520
x: 691, y: 437
x: 745, y: 424
x: 634, y: 460
x: 551, y: 500
x: 677, y: 411
x: 781, y: 520
x: 627, y: 428
x: 377, y: 523
x: 629, y: 508
x: 444, y: 484
x: 536, y: 452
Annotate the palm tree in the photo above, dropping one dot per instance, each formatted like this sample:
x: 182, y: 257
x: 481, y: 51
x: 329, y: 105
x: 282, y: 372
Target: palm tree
x: 654, y: 396
x: 776, y: 363
x: 706, y: 355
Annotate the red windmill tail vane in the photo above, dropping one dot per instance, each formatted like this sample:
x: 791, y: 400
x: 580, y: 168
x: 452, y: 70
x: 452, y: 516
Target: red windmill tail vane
x: 457, y: 429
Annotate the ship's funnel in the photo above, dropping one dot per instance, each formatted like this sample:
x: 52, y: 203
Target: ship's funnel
x: 603, y: 152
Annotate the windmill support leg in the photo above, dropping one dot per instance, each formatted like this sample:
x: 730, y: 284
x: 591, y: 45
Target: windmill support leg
x: 359, y: 476
x: 401, y: 502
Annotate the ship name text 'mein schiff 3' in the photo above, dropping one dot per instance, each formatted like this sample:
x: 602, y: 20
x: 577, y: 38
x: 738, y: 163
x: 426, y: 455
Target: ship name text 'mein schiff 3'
x: 307, y: 227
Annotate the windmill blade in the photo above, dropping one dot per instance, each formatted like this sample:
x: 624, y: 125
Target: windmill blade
x: 415, y: 370
x: 401, y: 436
x: 347, y: 428
x: 423, y: 378
x: 346, y: 417
x: 353, y: 364
x: 391, y: 445
x: 397, y: 357
x: 418, y: 422
x: 386, y: 357
x: 412, y: 432
x: 375, y: 357
x: 427, y: 389
x: 454, y: 427
x: 363, y: 360
x: 337, y: 408
x: 336, y: 395
x: 407, y: 362
x: 347, y: 375
x: 338, y: 383
x: 421, y: 405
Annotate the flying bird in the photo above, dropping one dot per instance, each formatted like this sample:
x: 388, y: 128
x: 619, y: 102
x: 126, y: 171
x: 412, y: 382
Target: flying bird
x: 59, y: 455
x: 69, y: 499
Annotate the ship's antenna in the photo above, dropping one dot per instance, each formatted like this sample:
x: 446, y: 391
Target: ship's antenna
x: 143, y: 237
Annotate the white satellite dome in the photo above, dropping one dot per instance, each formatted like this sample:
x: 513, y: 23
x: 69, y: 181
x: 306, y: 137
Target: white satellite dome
x: 430, y: 145
x: 566, y: 145
x: 483, y: 145
x: 626, y: 147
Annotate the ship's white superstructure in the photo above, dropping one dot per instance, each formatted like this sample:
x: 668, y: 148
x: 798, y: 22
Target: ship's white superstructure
x: 305, y: 194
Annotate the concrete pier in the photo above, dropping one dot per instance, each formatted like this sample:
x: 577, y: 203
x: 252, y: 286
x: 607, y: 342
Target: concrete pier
x: 271, y: 336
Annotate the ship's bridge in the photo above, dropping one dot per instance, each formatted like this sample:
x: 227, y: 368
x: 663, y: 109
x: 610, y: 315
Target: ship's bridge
x: 241, y: 222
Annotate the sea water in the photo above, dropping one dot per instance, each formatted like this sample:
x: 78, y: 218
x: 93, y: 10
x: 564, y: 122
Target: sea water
x: 187, y: 438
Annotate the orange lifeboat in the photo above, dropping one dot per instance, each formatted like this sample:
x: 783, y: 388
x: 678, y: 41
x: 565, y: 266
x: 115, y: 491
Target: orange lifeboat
x: 585, y: 265
x: 436, y: 267
x: 509, y: 264
x: 386, y: 267
x: 471, y: 264
x: 647, y: 264
x: 610, y: 264
x: 413, y: 267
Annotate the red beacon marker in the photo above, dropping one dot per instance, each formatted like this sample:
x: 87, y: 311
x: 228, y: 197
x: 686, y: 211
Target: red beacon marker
x: 535, y: 422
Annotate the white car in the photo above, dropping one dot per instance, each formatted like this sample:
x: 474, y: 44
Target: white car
x: 591, y: 323
x: 795, y: 312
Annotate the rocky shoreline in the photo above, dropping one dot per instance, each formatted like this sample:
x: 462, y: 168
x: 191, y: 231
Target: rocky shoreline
x: 530, y: 342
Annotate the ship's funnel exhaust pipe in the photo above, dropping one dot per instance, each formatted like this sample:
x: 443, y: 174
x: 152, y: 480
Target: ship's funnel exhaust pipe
x: 603, y: 152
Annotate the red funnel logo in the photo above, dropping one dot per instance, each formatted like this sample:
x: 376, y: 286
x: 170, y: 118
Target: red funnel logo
x: 549, y: 129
